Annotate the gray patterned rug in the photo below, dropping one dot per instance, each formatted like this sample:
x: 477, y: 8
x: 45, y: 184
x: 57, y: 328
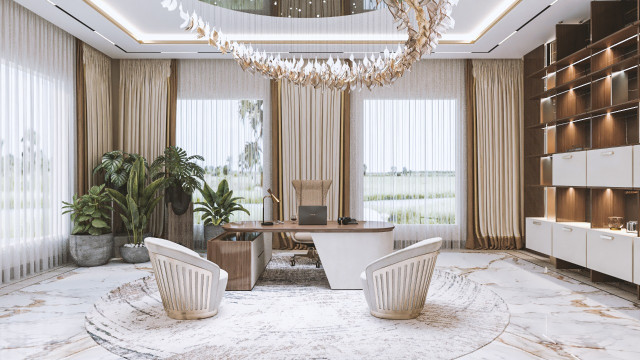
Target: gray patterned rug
x: 292, y: 314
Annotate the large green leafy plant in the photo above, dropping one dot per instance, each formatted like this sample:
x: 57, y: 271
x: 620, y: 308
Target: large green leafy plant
x: 115, y: 167
x: 218, y: 205
x: 139, y: 202
x: 180, y: 169
x: 90, y: 213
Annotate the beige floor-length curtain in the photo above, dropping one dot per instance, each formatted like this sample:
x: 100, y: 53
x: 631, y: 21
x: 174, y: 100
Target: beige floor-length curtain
x: 310, y: 143
x: 98, y: 119
x: 144, y: 89
x: 498, y: 115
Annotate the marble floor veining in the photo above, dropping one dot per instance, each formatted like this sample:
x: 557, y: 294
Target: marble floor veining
x: 554, y: 314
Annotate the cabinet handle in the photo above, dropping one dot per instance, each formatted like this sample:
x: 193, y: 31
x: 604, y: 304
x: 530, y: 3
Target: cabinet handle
x: 606, y: 153
x: 567, y: 157
x: 606, y: 237
x: 537, y: 223
x: 567, y: 229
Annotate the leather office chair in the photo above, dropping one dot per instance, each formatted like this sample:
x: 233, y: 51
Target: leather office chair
x: 309, y: 193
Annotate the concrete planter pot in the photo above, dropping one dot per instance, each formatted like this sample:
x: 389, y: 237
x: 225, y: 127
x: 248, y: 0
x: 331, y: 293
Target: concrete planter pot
x: 212, y: 231
x: 122, y: 240
x: 134, y: 254
x: 91, y: 250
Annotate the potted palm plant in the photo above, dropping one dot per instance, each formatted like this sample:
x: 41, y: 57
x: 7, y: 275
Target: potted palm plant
x: 217, y: 208
x: 136, y: 207
x: 182, y: 174
x: 91, y: 240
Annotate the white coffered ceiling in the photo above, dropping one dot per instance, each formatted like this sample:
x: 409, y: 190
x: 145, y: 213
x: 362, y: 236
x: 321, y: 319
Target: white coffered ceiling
x: 143, y: 29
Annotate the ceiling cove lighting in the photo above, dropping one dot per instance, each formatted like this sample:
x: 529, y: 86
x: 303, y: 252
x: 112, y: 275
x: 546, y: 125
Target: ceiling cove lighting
x: 104, y: 37
x: 116, y: 18
x: 507, y: 38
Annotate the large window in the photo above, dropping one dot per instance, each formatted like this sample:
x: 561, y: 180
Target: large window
x: 410, y: 161
x: 228, y: 134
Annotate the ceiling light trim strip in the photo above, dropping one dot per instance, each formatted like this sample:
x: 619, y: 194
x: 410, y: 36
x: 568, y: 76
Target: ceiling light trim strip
x: 124, y: 29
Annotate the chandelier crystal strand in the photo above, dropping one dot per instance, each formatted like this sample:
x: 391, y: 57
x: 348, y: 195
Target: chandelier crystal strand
x: 432, y: 19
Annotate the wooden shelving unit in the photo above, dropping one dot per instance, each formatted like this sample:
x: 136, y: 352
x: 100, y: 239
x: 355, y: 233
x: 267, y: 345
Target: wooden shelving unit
x: 588, y: 99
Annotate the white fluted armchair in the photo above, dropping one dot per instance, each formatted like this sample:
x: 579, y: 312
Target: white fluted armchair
x: 395, y: 286
x: 191, y: 287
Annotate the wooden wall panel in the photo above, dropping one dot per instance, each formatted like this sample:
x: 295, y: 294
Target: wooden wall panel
x: 571, y: 204
x: 533, y: 197
x: 609, y: 131
x: 573, y: 136
x: 571, y: 38
x: 605, y: 203
x: 608, y: 17
x: 601, y: 93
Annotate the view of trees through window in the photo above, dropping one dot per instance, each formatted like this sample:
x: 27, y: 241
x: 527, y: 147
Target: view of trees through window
x: 409, y: 161
x: 228, y: 134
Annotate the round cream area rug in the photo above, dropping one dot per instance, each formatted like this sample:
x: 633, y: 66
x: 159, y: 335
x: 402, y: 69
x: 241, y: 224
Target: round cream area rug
x: 292, y: 314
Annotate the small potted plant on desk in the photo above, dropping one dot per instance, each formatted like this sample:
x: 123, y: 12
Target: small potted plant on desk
x: 91, y: 240
x: 137, y: 207
x: 217, y: 208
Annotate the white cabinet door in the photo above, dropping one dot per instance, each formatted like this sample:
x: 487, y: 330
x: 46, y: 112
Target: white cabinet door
x: 636, y: 166
x: 610, y: 254
x: 636, y: 261
x: 611, y: 167
x: 570, y: 243
x: 539, y: 235
x: 569, y: 169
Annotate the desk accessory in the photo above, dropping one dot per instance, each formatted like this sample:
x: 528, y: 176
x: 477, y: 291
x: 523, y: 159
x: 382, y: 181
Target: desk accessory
x: 274, y: 200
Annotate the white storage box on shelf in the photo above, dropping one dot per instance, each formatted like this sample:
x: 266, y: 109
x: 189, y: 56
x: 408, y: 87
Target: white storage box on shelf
x: 570, y: 242
x: 611, y: 252
x: 612, y: 167
x: 539, y: 235
x: 569, y: 169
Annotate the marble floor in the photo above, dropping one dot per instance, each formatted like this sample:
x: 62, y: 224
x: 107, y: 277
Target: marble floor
x: 554, y: 314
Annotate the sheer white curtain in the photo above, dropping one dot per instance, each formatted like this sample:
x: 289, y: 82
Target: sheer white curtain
x: 36, y: 141
x: 407, y: 151
x: 224, y: 114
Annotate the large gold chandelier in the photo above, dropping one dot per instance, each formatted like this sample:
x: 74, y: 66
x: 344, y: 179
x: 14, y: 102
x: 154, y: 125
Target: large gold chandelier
x: 432, y: 18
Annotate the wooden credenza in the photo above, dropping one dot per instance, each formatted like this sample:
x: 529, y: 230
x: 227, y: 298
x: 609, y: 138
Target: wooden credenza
x: 243, y: 255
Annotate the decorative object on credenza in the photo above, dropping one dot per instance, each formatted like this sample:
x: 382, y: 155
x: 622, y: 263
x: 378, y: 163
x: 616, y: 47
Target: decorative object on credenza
x: 91, y: 240
x: 217, y: 208
x: 615, y: 222
x: 137, y: 207
x: 632, y: 226
x: 431, y: 19
x: 274, y: 200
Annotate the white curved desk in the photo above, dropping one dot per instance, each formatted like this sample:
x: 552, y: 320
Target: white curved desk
x: 345, y: 250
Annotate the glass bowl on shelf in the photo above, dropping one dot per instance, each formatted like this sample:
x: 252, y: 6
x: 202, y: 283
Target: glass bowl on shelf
x: 615, y: 222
